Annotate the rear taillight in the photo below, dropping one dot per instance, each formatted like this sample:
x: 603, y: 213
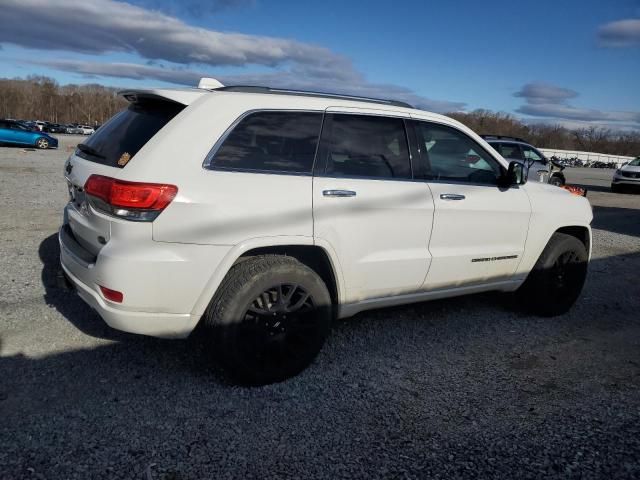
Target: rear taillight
x: 135, y: 201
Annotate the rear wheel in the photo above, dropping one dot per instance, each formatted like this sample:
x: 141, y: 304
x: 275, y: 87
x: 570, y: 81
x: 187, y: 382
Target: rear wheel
x: 269, y: 319
x: 557, y: 278
x: 42, y: 143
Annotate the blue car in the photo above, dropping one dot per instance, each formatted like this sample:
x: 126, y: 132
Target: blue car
x: 15, y: 133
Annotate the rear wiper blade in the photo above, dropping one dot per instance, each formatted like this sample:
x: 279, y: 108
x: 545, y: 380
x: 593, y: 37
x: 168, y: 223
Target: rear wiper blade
x: 90, y: 150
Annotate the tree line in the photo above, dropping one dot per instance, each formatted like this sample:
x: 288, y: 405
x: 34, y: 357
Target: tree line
x: 589, y: 139
x: 42, y: 98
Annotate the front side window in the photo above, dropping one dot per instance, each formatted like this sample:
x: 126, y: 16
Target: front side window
x: 532, y: 154
x: 271, y: 141
x: 446, y: 154
x: 366, y: 146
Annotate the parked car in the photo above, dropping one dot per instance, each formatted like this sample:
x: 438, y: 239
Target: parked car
x: 538, y: 166
x: 287, y: 210
x: 15, y: 133
x: 627, y: 176
x: 54, y: 128
x: 73, y: 129
x: 29, y: 125
x: 86, y: 129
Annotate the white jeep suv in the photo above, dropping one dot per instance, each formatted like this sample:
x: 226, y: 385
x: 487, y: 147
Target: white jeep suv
x: 262, y: 215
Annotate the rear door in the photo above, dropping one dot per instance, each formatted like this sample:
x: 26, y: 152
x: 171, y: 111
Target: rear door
x: 366, y: 207
x: 479, y: 229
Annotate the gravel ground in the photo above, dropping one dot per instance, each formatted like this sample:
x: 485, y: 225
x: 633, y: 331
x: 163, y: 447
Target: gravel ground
x: 461, y: 388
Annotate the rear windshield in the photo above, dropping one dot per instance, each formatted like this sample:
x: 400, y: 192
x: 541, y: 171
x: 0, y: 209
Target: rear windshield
x: 118, y: 140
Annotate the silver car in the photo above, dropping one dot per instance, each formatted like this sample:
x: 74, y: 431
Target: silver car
x: 539, y: 168
x: 71, y: 129
x: 627, y: 176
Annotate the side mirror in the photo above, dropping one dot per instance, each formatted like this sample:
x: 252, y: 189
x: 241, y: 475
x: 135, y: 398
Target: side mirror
x: 515, y: 175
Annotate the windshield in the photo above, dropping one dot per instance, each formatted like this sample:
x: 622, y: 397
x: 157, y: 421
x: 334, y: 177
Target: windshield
x: 127, y: 132
x: 634, y: 163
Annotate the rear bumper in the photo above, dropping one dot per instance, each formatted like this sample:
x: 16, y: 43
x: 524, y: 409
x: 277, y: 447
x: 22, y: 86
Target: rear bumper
x: 161, y: 282
x: 163, y: 325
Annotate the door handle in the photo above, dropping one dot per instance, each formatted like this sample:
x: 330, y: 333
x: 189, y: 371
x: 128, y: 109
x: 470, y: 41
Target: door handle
x: 451, y: 196
x: 338, y: 193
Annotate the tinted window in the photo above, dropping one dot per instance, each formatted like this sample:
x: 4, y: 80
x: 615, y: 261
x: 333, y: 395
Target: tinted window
x: 127, y: 132
x: 496, y: 147
x: 366, y: 146
x: 273, y: 141
x: 447, y: 154
x: 511, y: 151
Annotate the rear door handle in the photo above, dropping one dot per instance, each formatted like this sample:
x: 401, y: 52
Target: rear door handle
x: 338, y: 193
x: 451, y: 196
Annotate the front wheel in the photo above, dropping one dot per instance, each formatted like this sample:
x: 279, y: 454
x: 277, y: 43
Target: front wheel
x: 269, y: 319
x: 556, y: 181
x: 42, y: 143
x: 557, y: 278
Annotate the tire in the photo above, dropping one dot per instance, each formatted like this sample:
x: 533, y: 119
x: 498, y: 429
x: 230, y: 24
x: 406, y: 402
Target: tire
x: 616, y: 188
x: 269, y: 319
x: 42, y: 143
x: 557, y: 181
x: 557, y: 278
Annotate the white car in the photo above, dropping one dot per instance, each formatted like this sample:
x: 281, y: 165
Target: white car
x: 86, y: 130
x: 262, y: 215
x: 73, y: 130
x: 627, y: 176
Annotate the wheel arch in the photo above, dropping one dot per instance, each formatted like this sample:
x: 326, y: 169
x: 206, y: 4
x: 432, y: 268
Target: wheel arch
x: 313, y: 256
x: 320, y: 259
x: 582, y: 233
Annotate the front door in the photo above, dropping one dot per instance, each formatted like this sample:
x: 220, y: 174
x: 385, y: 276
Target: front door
x: 367, y: 208
x: 479, y: 229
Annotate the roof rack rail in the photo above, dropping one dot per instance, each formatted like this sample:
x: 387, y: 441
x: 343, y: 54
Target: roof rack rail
x: 503, y: 137
x: 284, y: 91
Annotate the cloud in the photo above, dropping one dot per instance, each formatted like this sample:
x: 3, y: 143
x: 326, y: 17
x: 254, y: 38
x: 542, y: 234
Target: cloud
x: 195, y: 7
x: 568, y: 112
x: 544, y: 93
x: 280, y: 79
x: 551, y: 102
x: 106, y: 26
x: 103, y: 26
x: 622, y: 33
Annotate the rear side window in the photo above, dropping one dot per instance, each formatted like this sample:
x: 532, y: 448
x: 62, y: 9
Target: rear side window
x: 496, y: 147
x: 271, y: 141
x: 366, y: 146
x: 511, y: 151
x: 118, y: 140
